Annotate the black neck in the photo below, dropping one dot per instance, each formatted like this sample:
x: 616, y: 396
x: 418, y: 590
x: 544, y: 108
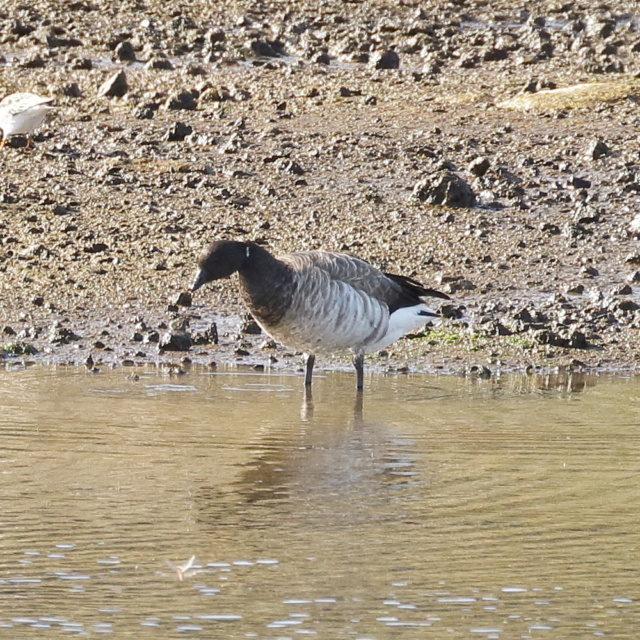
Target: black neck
x: 267, y: 285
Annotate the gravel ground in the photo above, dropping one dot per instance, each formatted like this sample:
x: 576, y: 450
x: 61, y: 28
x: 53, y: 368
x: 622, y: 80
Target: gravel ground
x: 483, y: 148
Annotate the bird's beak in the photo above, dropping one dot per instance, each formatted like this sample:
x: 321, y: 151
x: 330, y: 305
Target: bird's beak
x: 198, y: 281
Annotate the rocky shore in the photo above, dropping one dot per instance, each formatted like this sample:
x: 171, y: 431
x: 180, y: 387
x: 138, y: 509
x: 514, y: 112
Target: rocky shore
x: 484, y: 148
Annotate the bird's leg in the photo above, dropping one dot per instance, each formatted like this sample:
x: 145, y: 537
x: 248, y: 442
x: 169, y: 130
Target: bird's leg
x: 358, y: 363
x: 311, y: 359
x: 4, y: 141
x: 28, y: 142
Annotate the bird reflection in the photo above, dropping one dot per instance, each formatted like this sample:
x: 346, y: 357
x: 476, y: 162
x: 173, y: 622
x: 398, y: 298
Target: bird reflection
x: 336, y: 459
x: 307, y: 407
x: 306, y: 410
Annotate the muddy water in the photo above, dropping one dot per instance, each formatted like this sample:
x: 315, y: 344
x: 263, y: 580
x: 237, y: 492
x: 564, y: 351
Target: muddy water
x: 441, y: 508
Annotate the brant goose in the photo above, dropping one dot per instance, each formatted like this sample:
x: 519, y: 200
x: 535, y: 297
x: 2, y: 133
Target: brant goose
x: 317, y: 301
x: 22, y: 113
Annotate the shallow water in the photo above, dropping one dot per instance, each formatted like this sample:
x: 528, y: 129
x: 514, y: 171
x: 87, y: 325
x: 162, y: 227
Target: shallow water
x: 443, y: 507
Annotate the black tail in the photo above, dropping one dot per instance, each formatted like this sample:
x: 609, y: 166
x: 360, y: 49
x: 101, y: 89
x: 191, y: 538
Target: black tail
x: 413, y: 287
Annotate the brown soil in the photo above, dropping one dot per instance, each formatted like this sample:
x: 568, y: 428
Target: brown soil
x: 102, y: 220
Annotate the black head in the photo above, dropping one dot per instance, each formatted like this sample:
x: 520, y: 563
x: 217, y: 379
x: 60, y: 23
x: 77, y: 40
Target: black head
x: 222, y: 259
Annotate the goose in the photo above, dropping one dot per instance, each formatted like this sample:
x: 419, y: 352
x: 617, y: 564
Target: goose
x: 22, y: 113
x: 319, y: 301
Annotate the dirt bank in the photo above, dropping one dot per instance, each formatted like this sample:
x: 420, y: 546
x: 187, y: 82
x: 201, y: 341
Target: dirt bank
x: 333, y: 125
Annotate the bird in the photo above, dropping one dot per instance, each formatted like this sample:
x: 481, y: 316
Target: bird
x: 22, y: 113
x: 320, y: 301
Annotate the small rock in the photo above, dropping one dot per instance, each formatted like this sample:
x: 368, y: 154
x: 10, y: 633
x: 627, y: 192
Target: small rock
x: 250, y: 326
x: 179, y: 131
x: 322, y: 57
x: 72, y: 90
x: 20, y: 29
x: 289, y: 166
x: 575, y: 182
x: 627, y: 305
x: 54, y: 41
x: 211, y: 334
x: 61, y: 335
x: 385, y: 60
x: 125, y: 52
x: 83, y: 64
x: 493, y: 54
x: 479, y: 371
x: 213, y: 94
x: 597, y: 149
x: 496, y: 328
x: 479, y: 166
x: 452, y: 311
x: 160, y: 64
x: 546, y: 336
x: 146, y: 111
x: 459, y: 285
x: 114, y: 87
x: 577, y: 340
x: 445, y: 187
x: 551, y: 229
x: 268, y: 48
x: 183, y: 100
x: 184, y: 299
x: 524, y: 316
x: 152, y: 336
x: 533, y: 85
x: 33, y: 62
x: 345, y: 92
x: 175, y: 341
x: 61, y: 210
x: 634, y: 225
x: 96, y: 247
x: 215, y: 36
x: 575, y: 290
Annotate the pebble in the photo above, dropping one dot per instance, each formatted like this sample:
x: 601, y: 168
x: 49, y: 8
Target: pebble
x: 182, y: 100
x: 175, y: 341
x: 597, y: 149
x: 125, y: 52
x: 178, y: 132
x: 385, y: 60
x: 445, y: 188
x: 115, y: 86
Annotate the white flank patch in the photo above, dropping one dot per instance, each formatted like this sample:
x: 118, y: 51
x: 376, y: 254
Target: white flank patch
x: 403, y: 321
